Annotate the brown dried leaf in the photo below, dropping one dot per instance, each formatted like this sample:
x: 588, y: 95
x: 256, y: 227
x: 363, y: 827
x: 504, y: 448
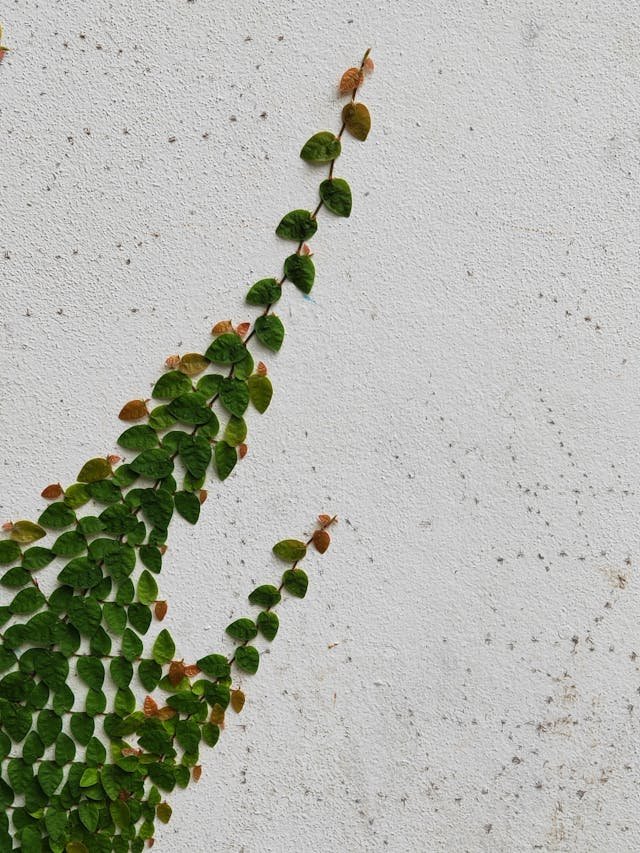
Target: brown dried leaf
x: 113, y: 459
x: 163, y: 549
x: 196, y: 773
x: 150, y: 842
x: 222, y: 327
x: 172, y: 361
x: 237, y: 700
x: 129, y: 750
x: 324, y: 519
x: 242, y: 450
x: 242, y: 329
x: 321, y: 541
x: 133, y: 410
x: 176, y: 672
x: 368, y: 65
x: 217, y: 715
x: 166, y: 713
x: 192, y: 670
x: 350, y: 80
x: 203, y: 494
x: 192, y: 363
x: 52, y: 492
x: 261, y: 369
x: 161, y: 610
x: 150, y: 707
x: 357, y: 120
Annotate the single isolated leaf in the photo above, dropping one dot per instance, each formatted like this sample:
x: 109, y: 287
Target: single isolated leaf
x: 160, y: 610
x: 268, y: 624
x: 357, y: 120
x: 321, y: 541
x: 350, y: 80
x: 300, y: 270
x: 321, y: 148
x: 94, y: 469
x: 25, y: 532
x: 193, y: 363
x: 290, y: 550
x: 270, y: 331
x: 133, y: 410
x: 264, y: 292
x: 237, y: 700
x: 260, y: 391
x: 296, y: 582
x: 52, y: 492
x: 297, y: 225
x: 336, y: 195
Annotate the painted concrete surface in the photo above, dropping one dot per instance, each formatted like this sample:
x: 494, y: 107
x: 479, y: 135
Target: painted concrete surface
x: 462, y: 389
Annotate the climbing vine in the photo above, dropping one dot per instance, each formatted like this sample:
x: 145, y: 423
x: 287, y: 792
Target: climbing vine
x: 86, y: 758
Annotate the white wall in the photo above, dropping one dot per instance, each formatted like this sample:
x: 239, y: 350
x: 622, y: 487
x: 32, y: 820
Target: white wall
x: 462, y: 390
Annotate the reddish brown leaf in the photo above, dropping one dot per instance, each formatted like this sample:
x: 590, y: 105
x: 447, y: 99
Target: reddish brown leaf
x: 321, y: 540
x: 242, y: 329
x: 242, y: 450
x: 172, y: 361
x: 150, y: 842
x: 113, y: 459
x: 350, y: 80
x: 196, y: 773
x: 166, y: 713
x: 129, y: 750
x: 323, y: 520
x: 192, y: 670
x: 237, y: 700
x: 222, y: 327
x: 150, y: 707
x: 133, y: 410
x: 261, y: 369
x: 192, y: 363
x: 203, y: 494
x: 217, y: 715
x: 161, y: 610
x: 176, y: 672
x: 52, y: 492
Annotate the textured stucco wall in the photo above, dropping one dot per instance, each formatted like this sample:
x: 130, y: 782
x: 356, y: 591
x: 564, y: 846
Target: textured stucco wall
x: 462, y: 390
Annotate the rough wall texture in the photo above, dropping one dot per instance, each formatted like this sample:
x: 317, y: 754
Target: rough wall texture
x: 462, y: 390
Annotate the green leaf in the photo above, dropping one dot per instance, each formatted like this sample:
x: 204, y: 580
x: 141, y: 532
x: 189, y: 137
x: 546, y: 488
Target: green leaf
x: 125, y: 702
x: 120, y: 813
x: 32, y: 748
x: 300, y: 270
x: 234, y: 395
x: 157, y: 505
x: 210, y: 734
x: 80, y: 573
x: 236, y: 431
x: 15, y: 578
x: 268, y: 624
x: 154, y: 463
x: 57, y: 515
x: 298, y: 225
x: 195, y: 454
x: 215, y: 666
x: 121, y: 671
x: 140, y: 437
x: 336, y: 195
x: 170, y: 385
x: 260, y: 391
x: 49, y: 726
x: 243, y: 369
x: 209, y: 385
x: 164, y: 648
x: 264, y: 292
x: 139, y: 617
x: 105, y: 491
x: 115, y: 617
x: 296, y: 582
x: 247, y: 659
x: 65, y: 749
x: 90, y: 525
x: 82, y: 726
x: 89, y: 815
x: 149, y: 673
x: 185, y: 701
x: 321, y: 148
x: 265, y: 596
x: 225, y: 459
x: 16, y: 721
x: 228, y: 348
x: 49, y: 777
x: 91, y: 671
x: 27, y: 601
x: 270, y: 331
x: 124, y: 476
x: 151, y: 558
x: 94, y: 469
x: 188, y: 735
x: 132, y: 646
x: 89, y: 777
x: 25, y: 532
x: 76, y: 847
x: 69, y: 544
x: 147, y: 588
x: 242, y: 630
x: 85, y: 614
x: 9, y: 551
x: 290, y: 550
x: 77, y: 495
x: 55, y: 821
x: 95, y: 702
x: 188, y: 506
x: 37, y: 558
x: 160, y: 418
x: 191, y: 409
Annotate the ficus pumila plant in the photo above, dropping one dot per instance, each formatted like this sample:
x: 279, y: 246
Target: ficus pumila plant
x: 95, y: 727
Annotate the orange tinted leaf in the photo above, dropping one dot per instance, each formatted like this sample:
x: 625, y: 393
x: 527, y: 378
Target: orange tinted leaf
x: 321, y: 540
x: 237, y: 700
x: 242, y: 450
x: 162, y: 549
x: 242, y: 329
x: 176, y: 672
x: 172, y: 361
x: 166, y: 713
x: 8, y: 525
x: 150, y: 707
x: 306, y: 250
x: 196, y: 773
x: 203, y: 494
x: 261, y: 369
x: 217, y: 715
x: 52, y: 492
x: 192, y: 363
x: 113, y: 459
x: 133, y: 410
x: 192, y: 670
x: 350, y: 80
x: 357, y: 120
x: 324, y: 519
x: 222, y: 327
x: 129, y: 750
x: 368, y: 65
x: 161, y: 610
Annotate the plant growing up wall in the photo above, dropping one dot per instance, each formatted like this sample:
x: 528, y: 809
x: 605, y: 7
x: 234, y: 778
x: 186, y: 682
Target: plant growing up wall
x: 97, y: 727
